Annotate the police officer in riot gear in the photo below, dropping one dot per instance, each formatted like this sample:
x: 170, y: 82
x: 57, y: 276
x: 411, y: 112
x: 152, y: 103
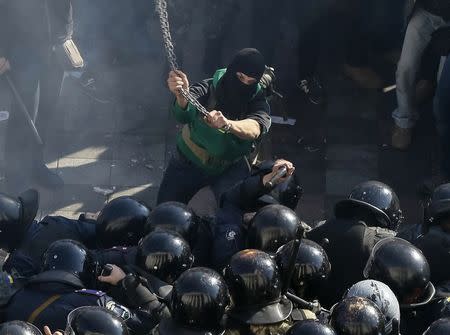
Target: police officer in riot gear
x: 383, y: 297
x: 48, y: 297
x: 121, y: 222
x: 371, y: 213
x: 177, y: 217
x: 311, y: 268
x: 94, y: 320
x: 157, y: 260
x: 435, y: 243
x: 404, y: 268
x: 199, y: 301
x: 310, y: 327
x: 18, y: 328
x: 272, y: 227
x: 255, y: 285
x: 357, y: 316
x: 164, y: 254
x: 229, y: 234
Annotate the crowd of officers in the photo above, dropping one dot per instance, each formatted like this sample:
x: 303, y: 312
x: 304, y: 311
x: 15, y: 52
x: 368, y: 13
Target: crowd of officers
x: 135, y: 270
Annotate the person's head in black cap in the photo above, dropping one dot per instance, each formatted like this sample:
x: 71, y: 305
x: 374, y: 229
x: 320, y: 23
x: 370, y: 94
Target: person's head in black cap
x: 240, y: 82
x: 255, y: 285
x: 16, y: 216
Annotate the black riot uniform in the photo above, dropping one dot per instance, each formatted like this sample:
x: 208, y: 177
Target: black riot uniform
x: 50, y: 296
x: 435, y: 243
x: 120, y: 222
x: 372, y: 212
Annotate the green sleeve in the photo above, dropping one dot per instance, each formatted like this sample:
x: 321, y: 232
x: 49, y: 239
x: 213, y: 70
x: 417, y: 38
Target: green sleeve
x: 184, y: 115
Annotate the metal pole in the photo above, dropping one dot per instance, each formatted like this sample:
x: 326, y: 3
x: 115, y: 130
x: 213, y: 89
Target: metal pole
x: 23, y: 108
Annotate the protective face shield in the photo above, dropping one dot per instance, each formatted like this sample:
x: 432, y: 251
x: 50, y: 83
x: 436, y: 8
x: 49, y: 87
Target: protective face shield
x: 90, y: 320
x: 311, y: 268
x: 272, y: 227
x: 376, y: 197
x: 381, y: 295
x: 18, y: 328
x: 199, y: 301
x: 121, y: 222
x: 16, y: 216
x: 164, y: 254
x: 173, y: 216
x: 403, y: 268
x: 255, y: 286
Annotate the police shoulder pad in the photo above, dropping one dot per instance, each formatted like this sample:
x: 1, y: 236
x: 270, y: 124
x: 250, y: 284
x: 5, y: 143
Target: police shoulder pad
x: 91, y: 292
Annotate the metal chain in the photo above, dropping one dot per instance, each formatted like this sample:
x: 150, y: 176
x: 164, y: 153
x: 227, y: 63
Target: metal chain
x: 161, y: 9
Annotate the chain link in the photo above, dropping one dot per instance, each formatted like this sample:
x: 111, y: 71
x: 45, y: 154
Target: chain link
x: 161, y: 9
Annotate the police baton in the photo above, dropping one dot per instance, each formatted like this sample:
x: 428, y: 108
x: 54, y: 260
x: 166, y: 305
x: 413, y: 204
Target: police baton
x: 281, y: 173
x: 312, y: 306
x: 23, y: 108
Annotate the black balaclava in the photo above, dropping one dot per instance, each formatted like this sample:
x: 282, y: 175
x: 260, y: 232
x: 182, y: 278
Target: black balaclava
x: 232, y: 94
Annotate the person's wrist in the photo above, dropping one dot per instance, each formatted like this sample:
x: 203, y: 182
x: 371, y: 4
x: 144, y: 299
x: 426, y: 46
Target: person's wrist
x: 227, y: 127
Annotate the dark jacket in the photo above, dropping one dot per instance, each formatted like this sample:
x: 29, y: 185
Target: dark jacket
x: 349, y: 248
x: 34, y: 26
x: 56, y: 293
x: 26, y: 259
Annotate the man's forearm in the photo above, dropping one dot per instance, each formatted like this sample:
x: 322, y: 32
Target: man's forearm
x: 247, y: 129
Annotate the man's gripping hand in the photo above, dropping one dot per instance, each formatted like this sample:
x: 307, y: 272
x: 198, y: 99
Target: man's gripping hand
x: 175, y: 82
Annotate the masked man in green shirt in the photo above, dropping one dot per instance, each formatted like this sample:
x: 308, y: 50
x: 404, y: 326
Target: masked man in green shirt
x: 211, y: 150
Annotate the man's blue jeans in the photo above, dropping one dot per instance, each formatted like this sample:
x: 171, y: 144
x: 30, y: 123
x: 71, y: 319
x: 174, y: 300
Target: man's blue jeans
x: 442, y: 116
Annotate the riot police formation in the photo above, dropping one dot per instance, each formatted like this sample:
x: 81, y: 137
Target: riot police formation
x: 133, y: 270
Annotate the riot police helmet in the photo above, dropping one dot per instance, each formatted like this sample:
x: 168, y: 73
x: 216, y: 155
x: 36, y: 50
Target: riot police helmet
x: 357, y: 316
x: 165, y: 254
x: 96, y: 320
x: 18, y: 328
x: 121, y: 222
x: 255, y: 285
x: 199, y: 301
x: 174, y: 216
x: 311, y: 268
x: 402, y: 267
x: 439, y: 327
x: 382, y: 296
x: 16, y: 216
x: 378, y: 198
x: 71, y: 257
x: 272, y: 227
x: 439, y: 205
x: 310, y: 327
